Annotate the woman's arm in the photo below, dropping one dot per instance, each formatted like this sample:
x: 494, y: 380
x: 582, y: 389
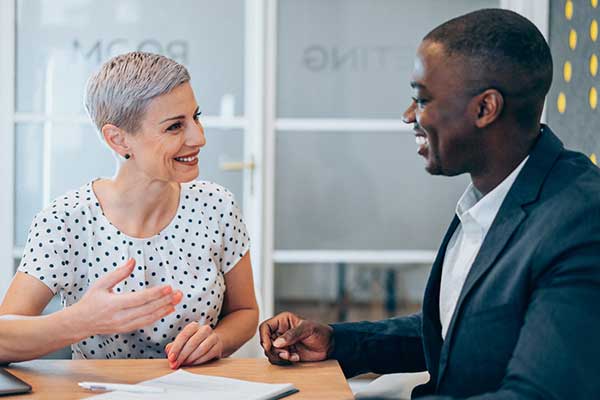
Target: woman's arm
x: 197, y: 344
x: 239, y: 318
x: 25, y: 335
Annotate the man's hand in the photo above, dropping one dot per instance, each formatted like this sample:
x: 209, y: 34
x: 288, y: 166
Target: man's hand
x: 195, y: 344
x: 287, y: 338
x: 101, y: 311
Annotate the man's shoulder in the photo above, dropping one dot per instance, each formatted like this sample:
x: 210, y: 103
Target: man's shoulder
x: 573, y: 180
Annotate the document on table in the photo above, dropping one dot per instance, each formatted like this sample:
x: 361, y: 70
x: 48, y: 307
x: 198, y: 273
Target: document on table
x: 182, y: 385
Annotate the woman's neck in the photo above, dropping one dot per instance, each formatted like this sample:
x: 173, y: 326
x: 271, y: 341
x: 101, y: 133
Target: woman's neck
x: 137, y: 205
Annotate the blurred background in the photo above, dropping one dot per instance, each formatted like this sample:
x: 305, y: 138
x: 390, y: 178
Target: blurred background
x: 301, y: 103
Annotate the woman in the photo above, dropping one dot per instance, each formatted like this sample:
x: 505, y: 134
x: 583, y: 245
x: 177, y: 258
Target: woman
x: 186, y: 238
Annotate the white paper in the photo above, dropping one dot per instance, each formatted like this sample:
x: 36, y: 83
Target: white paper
x: 182, y: 385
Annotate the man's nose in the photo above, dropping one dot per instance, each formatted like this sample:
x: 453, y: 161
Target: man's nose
x: 409, y: 115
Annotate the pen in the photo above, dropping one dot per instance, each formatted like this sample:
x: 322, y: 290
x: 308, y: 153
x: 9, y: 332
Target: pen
x: 120, y: 386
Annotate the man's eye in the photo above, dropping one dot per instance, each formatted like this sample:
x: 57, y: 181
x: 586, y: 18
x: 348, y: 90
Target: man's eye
x: 174, y: 127
x: 419, y: 101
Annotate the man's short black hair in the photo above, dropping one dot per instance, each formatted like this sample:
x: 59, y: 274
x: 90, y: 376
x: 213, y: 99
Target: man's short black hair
x: 504, y: 49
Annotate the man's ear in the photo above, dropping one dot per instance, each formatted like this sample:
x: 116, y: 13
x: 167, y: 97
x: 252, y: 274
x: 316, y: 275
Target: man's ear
x: 116, y: 138
x: 488, y: 106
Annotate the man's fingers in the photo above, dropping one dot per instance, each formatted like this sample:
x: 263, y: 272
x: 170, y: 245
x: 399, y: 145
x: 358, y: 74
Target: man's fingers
x: 275, y: 359
x: 111, y: 279
x: 265, y: 335
x: 292, y: 336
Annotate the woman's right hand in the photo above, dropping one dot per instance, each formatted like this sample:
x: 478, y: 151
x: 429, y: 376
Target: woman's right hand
x: 101, y: 311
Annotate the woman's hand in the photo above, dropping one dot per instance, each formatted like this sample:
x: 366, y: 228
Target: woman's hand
x: 195, y: 344
x: 101, y: 311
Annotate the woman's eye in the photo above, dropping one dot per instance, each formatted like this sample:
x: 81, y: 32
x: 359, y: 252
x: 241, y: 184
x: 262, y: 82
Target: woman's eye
x: 174, y: 127
x: 197, y: 115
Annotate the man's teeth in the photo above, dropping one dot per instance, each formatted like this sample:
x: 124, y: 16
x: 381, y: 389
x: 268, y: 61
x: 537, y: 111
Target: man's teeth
x: 421, y: 140
x: 186, y: 159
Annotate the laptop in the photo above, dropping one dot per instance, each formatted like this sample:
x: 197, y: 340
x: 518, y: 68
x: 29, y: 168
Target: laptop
x: 10, y: 384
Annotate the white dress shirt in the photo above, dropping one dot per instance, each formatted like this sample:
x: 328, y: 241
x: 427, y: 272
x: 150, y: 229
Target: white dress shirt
x: 476, y: 214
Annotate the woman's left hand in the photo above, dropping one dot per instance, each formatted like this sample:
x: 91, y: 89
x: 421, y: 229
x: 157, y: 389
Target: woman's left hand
x: 195, y: 344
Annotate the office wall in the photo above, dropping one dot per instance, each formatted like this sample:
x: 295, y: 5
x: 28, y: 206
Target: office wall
x: 572, y: 105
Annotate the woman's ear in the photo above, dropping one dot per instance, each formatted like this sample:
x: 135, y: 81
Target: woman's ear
x: 116, y: 138
x: 488, y: 107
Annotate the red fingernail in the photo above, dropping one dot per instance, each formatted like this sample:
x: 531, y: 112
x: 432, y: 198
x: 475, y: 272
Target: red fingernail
x: 167, y: 290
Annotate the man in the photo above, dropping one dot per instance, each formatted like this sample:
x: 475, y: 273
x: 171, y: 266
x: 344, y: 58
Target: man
x: 512, y: 305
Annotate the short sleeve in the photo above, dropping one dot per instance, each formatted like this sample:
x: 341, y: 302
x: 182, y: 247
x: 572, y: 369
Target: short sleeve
x: 236, y: 241
x: 46, y: 253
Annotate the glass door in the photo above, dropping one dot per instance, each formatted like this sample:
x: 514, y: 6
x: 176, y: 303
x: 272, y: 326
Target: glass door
x: 56, y: 45
x: 356, y: 219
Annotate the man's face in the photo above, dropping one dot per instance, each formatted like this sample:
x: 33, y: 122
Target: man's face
x: 445, y: 134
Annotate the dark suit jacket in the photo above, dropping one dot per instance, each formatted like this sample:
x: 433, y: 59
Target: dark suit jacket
x: 527, y: 322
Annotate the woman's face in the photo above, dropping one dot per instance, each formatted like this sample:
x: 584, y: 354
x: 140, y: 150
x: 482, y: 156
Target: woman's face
x: 167, y: 144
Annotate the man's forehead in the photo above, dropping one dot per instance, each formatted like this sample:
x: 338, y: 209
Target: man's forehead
x: 433, y: 63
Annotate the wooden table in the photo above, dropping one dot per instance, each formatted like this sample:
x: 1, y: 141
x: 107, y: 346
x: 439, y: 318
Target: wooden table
x: 57, y: 379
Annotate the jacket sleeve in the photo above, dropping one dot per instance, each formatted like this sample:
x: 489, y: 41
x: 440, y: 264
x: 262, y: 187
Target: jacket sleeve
x: 387, y: 346
x: 557, y: 353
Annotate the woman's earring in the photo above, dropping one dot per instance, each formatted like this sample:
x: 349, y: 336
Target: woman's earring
x: 127, y: 156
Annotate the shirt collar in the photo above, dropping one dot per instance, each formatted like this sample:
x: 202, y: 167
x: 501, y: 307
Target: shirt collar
x: 483, y: 209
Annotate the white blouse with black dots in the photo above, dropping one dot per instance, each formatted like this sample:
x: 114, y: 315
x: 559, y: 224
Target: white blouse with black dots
x: 71, y: 244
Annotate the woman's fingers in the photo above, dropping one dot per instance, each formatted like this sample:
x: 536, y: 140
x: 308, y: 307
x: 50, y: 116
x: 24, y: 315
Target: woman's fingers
x: 146, y: 319
x: 111, y: 279
x: 195, y: 341
x: 136, y: 299
x: 146, y: 309
x: 180, y: 341
x: 207, y: 350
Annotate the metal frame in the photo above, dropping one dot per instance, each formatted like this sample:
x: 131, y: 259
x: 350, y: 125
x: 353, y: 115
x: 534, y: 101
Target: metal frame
x: 7, y: 143
x: 253, y: 138
x: 270, y: 72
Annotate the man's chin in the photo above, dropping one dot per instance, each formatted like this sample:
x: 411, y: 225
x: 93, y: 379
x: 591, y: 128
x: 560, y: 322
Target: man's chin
x: 433, y: 169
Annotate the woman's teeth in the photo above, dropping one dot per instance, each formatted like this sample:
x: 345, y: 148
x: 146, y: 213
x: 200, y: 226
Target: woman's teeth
x: 186, y: 159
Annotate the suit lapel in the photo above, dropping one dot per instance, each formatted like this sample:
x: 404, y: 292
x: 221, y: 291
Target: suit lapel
x: 525, y: 190
x: 432, y: 342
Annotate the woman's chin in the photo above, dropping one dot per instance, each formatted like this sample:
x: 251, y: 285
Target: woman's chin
x: 187, y: 177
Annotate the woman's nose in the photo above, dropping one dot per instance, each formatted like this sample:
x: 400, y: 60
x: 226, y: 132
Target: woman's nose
x: 196, y: 136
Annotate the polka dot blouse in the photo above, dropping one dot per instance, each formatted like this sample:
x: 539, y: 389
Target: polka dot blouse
x: 71, y: 244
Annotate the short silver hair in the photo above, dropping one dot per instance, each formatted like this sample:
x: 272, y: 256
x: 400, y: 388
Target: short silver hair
x: 121, y: 90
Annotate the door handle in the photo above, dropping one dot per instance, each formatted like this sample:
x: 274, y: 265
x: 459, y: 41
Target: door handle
x: 237, y: 166
x: 234, y: 166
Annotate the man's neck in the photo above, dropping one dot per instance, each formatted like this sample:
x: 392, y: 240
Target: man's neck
x: 501, y: 157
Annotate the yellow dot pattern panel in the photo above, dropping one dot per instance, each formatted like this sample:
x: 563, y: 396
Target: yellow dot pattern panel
x: 573, y: 39
x: 594, y: 30
x: 593, y: 98
x: 569, y: 10
x: 567, y: 71
x: 572, y: 108
x: 561, y: 103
